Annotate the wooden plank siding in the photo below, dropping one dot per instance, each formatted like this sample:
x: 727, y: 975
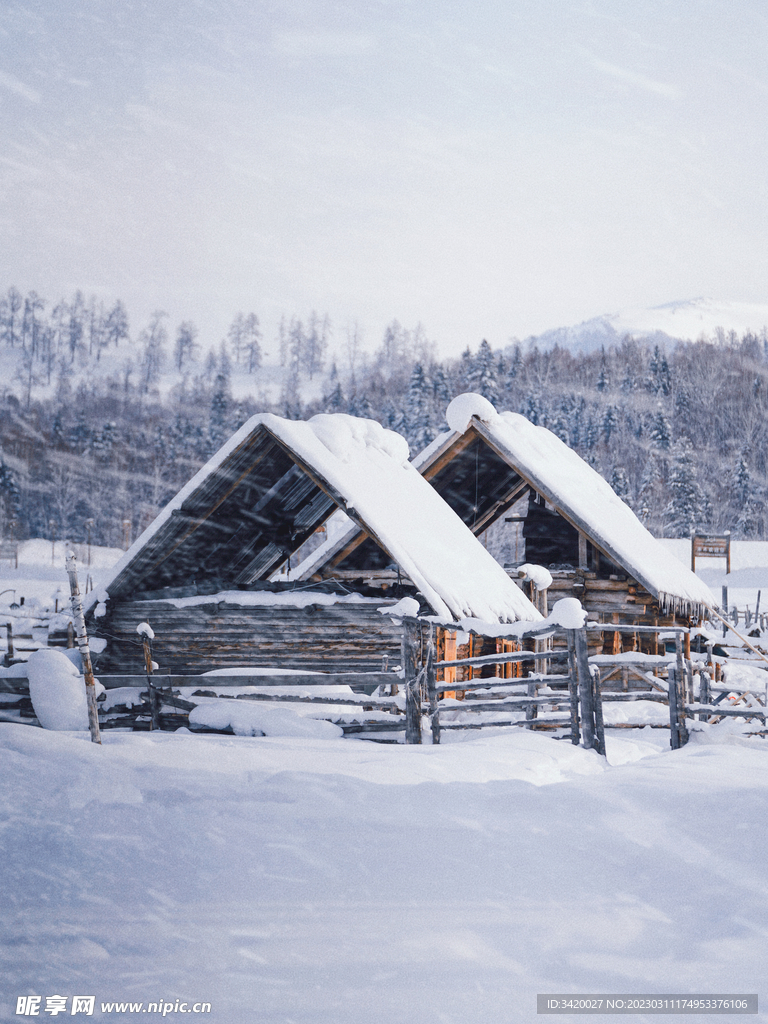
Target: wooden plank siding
x: 616, y: 600
x: 214, y: 635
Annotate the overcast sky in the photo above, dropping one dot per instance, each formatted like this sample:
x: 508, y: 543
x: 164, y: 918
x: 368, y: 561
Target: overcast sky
x: 491, y: 169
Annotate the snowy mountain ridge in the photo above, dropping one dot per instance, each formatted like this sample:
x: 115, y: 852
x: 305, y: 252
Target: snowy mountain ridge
x: 687, y: 320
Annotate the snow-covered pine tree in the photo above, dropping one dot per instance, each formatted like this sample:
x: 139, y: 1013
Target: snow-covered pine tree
x: 315, y: 343
x: 186, y: 344
x: 686, y: 509
x: 10, y: 496
x: 154, y: 337
x: 660, y: 433
x: 533, y: 408
x: 620, y: 484
x: 336, y: 402
x: 221, y: 400
x: 741, y: 481
x: 603, y: 379
x: 251, y: 342
x: 482, y: 373
x: 418, y: 422
x: 610, y: 423
x: 559, y: 426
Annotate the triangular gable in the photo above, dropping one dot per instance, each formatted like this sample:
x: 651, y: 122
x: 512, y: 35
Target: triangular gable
x: 266, y: 491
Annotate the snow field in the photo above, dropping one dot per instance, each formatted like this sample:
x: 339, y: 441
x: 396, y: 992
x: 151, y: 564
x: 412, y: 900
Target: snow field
x: 308, y: 880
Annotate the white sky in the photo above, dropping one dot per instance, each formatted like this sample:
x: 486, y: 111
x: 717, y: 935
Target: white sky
x: 489, y: 168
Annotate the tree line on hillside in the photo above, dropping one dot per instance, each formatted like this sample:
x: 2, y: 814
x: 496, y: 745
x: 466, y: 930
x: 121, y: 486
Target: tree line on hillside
x: 681, y: 435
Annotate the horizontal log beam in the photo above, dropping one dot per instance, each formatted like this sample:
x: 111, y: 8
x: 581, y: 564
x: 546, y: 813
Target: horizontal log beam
x: 505, y: 707
x: 713, y: 710
x: 618, y: 627
x: 537, y: 723
x: 364, y: 702
x: 656, y: 698
x: 160, y: 680
x: 503, y: 659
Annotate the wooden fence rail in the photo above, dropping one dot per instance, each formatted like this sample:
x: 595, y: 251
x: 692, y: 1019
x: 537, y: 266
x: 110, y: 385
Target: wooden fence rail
x: 582, y: 696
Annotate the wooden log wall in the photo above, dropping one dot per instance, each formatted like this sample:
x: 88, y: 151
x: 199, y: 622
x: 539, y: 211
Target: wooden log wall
x: 617, y: 599
x: 327, y: 638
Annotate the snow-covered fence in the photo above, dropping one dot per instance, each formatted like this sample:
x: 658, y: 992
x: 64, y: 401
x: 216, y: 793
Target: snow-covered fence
x: 579, y: 691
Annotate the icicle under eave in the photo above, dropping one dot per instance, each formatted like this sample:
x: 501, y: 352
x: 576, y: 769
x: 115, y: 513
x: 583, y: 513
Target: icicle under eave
x: 671, y: 603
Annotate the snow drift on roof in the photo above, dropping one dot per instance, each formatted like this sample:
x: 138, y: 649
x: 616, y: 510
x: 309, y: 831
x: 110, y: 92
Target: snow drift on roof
x: 366, y: 468
x: 578, y: 491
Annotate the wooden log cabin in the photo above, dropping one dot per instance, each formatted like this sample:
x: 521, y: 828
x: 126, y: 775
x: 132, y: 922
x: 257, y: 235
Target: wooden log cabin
x: 491, y: 465
x: 209, y: 574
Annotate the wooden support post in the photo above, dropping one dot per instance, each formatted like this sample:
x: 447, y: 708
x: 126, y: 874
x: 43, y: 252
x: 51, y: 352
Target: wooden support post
x: 579, y: 641
x: 689, y: 681
x: 585, y: 690
x: 573, y: 686
x: 154, y: 700
x: 432, y: 694
x: 678, y: 734
x: 582, y: 551
x: 597, y: 704
x: 410, y: 648
x: 705, y: 692
x: 679, y: 662
x: 9, y: 634
x: 682, y: 730
x: 85, y: 651
x: 674, y: 725
x: 531, y: 711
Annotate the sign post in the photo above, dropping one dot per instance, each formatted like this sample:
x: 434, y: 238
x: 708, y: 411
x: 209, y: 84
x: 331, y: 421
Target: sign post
x: 711, y: 546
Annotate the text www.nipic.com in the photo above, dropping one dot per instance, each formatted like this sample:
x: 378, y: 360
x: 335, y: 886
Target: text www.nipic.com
x: 163, y: 1008
x: 31, y: 1006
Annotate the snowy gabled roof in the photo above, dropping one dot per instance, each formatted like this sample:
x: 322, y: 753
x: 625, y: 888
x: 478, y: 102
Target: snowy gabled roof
x: 276, y: 480
x: 580, y: 495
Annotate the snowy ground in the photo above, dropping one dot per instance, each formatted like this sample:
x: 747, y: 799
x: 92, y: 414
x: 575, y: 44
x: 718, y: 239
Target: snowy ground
x: 289, y: 879
x: 338, y: 880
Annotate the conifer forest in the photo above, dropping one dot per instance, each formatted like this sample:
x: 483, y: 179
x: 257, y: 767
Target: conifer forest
x: 101, y: 423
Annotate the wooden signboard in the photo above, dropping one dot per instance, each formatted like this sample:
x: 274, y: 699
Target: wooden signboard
x: 710, y: 546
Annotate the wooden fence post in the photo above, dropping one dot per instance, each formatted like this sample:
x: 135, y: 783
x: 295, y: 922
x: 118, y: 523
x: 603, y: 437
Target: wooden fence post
x: 410, y: 657
x: 585, y: 689
x: 85, y: 651
x: 678, y: 734
x: 154, y: 701
x: 9, y: 633
x: 674, y: 731
x: 704, y: 692
x: 432, y: 694
x: 531, y: 712
x: 573, y: 686
x: 679, y: 663
x: 597, y: 706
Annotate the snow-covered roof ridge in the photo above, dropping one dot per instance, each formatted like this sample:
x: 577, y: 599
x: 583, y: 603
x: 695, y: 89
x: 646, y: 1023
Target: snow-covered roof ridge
x: 585, y: 498
x: 365, y: 469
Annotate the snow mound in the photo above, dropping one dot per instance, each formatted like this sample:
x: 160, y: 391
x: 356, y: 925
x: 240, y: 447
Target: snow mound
x: 536, y: 574
x: 343, y: 435
x: 568, y: 613
x: 251, y: 720
x: 464, y: 407
x: 58, y: 691
x: 406, y: 606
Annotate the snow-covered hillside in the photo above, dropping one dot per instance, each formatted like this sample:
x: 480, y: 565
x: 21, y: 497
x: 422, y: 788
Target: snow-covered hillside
x: 687, y: 321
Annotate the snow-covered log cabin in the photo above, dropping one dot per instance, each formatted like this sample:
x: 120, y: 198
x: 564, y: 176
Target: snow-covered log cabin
x: 209, y: 573
x: 569, y: 519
